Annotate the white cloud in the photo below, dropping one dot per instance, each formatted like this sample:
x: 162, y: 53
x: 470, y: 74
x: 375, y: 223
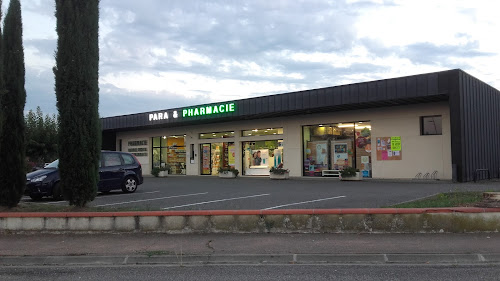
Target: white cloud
x: 250, y: 68
x: 187, y: 58
x: 38, y: 26
x: 35, y: 60
x: 439, y: 22
x: 192, y: 85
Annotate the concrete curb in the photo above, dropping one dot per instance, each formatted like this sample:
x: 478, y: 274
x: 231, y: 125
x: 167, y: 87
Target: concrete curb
x: 390, y: 220
x: 253, y: 259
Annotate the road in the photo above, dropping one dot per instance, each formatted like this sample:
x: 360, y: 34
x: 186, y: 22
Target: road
x: 123, y: 244
x: 252, y: 272
x: 247, y: 193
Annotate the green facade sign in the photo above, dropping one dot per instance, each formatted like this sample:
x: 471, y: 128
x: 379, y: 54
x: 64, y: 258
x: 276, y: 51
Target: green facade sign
x: 208, y: 110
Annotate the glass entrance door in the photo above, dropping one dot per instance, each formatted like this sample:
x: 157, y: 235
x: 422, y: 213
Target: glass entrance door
x: 216, y: 155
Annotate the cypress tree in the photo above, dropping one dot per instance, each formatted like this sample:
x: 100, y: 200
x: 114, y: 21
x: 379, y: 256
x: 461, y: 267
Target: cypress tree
x: 77, y: 92
x: 2, y: 85
x: 12, y: 141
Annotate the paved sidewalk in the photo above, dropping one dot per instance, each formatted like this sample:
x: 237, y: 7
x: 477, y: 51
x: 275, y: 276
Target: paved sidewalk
x: 44, y: 249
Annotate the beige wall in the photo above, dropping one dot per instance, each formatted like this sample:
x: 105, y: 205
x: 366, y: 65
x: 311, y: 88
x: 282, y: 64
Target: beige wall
x: 420, y: 154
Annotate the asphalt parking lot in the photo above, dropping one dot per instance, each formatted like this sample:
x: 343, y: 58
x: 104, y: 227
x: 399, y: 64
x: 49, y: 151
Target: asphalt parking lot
x: 250, y: 193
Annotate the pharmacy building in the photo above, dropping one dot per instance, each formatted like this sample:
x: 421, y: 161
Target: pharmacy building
x: 443, y: 125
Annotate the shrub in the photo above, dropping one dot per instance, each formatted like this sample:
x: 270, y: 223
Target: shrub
x: 229, y: 169
x: 278, y: 170
x: 349, y: 172
x: 155, y: 171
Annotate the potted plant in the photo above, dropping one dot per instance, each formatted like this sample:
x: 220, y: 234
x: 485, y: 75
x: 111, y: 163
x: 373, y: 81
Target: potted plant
x: 279, y: 173
x: 155, y: 171
x: 350, y: 174
x: 161, y: 171
x: 164, y: 171
x: 228, y: 172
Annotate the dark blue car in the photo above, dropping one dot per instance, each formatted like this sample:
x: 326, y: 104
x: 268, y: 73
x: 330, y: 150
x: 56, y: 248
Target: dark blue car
x: 117, y: 170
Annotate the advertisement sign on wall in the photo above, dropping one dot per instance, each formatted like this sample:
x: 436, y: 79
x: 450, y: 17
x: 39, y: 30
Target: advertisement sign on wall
x: 396, y: 143
x: 140, y: 149
x: 389, y: 148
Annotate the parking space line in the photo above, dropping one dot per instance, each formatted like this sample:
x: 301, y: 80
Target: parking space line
x: 149, y: 192
x: 305, y: 202
x: 152, y: 199
x: 100, y: 197
x: 214, y: 201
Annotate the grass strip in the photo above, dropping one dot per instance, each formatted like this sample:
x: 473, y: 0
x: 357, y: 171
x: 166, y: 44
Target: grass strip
x: 442, y: 200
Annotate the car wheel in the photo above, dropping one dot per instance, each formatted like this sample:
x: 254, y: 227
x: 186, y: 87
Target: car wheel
x: 57, y: 192
x: 129, y: 185
x: 36, y: 197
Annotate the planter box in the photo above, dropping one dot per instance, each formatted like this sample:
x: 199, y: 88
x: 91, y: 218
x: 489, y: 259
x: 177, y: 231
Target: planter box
x: 227, y: 175
x: 357, y: 177
x: 284, y: 176
x: 163, y: 174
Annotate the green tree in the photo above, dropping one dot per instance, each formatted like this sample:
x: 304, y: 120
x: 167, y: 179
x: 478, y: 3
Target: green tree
x: 41, y: 137
x: 77, y: 91
x: 12, y: 142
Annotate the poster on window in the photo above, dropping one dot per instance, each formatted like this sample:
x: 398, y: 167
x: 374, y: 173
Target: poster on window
x: 322, y: 153
x: 231, y: 150
x: 341, y: 154
x: 205, y: 154
x: 260, y: 157
x: 389, y: 148
x: 278, y: 156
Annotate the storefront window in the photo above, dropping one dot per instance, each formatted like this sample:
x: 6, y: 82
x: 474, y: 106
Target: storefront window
x: 217, y: 135
x: 364, y: 148
x: 170, y: 151
x: 260, y: 156
x: 216, y: 155
x: 262, y: 132
x: 333, y: 147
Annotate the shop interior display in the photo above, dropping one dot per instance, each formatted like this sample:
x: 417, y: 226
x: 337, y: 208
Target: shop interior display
x: 336, y: 146
x: 170, y: 151
x: 260, y: 156
x: 215, y: 159
x: 215, y: 156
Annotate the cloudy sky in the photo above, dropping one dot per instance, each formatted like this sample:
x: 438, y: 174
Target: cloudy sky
x: 159, y: 54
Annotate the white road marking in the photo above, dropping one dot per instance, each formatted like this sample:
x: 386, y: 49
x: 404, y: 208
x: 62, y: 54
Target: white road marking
x: 100, y: 197
x: 159, y: 198
x: 149, y: 192
x: 298, y: 203
x: 214, y: 201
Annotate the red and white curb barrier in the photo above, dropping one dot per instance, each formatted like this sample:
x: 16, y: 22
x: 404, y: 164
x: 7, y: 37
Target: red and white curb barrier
x: 364, y: 220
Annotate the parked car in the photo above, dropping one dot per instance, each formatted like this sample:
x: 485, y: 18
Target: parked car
x: 117, y: 170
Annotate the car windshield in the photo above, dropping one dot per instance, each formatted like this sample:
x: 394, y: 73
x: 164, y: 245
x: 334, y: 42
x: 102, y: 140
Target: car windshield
x: 53, y: 165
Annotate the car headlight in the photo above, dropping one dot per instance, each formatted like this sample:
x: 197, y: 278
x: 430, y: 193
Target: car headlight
x: 39, y: 179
